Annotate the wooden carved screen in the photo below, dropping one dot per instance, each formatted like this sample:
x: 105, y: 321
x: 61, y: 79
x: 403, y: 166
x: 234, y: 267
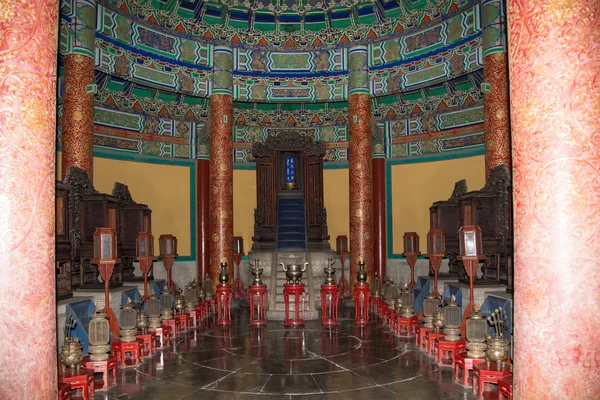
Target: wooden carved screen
x: 314, y: 196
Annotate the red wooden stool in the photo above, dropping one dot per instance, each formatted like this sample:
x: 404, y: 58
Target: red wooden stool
x: 103, y: 367
x: 64, y: 391
x: 420, y: 340
x: 257, y: 297
x: 84, y: 380
x: 430, y: 340
x: 182, y: 323
x: 193, y: 316
x: 172, y: 325
x: 299, y: 295
x: 200, y: 312
x: 482, y: 376
x: 446, y: 349
x: 149, y: 343
x: 213, y: 306
x: 385, y: 315
x: 162, y: 334
x: 120, y: 349
x: 406, y: 326
x: 462, y: 361
x: 391, y: 320
x: 505, y: 387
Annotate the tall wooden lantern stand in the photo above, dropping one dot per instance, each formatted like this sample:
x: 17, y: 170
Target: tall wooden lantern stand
x: 470, y: 243
x: 224, y: 294
x: 436, y: 250
x: 294, y: 289
x: 361, y: 296
x: 411, y: 252
x: 257, y: 295
x: 342, y: 251
x: 239, y: 292
x: 105, y: 257
x: 168, y: 252
x: 330, y: 296
x: 145, y: 255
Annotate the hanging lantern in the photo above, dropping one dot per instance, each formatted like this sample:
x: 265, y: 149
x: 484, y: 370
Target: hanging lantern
x: 470, y: 252
x: 153, y: 309
x: 408, y: 302
x: 452, y: 320
x: 127, y: 321
x: 166, y: 304
x: 99, y: 337
x: 476, y: 333
x: 430, y: 306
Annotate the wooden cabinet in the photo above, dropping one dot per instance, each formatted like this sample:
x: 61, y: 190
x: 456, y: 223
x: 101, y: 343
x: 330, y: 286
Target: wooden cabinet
x: 133, y: 218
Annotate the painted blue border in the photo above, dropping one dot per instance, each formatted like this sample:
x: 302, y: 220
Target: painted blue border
x: 101, y: 153
x: 250, y: 166
x: 388, y: 184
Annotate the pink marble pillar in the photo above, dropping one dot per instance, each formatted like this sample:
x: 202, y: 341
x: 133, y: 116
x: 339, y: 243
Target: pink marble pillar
x: 28, y: 46
x: 555, y: 116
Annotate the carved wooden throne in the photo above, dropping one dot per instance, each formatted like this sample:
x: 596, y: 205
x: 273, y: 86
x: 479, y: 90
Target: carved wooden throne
x: 277, y: 186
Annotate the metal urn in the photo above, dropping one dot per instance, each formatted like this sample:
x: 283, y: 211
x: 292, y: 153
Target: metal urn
x: 179, y: 304
x: 141, y: 321
x: 361, y: 273
x: 329, y: 272
x: 476, y: 331
x: 256, y: 271
x: 294, y: 272
x: 153, y: 307
x: 431, y: 304
x: 223, y: 275
x: 497, y: 351
x: 201, y: 294
x: 438, y: 321
x: 452, y: 320
x: 208, y: 288
x: 408, y: 302
x: 70, y: 354
x: 166, y: 304
x: 190, y: 295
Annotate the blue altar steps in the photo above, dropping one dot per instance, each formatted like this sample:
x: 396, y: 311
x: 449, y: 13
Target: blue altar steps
x: 291, y: 224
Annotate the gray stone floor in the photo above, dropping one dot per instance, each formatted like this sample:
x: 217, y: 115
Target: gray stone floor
x: 272, y: 362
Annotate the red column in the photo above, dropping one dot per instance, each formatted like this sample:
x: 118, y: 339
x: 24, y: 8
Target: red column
x: 78, y: 114
x: 361, y: 193
x: 28, y: 43
x: 202, y: 217
x: 555, y: 116
x: 379, y: 245
x: 221, y: 183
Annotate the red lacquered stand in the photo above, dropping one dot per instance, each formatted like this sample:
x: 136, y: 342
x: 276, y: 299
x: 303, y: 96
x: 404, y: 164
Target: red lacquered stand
x: 361, y: 303
x: 483, y: 375
x: 82, y: 379
x: 103, y: 367
x: 193, y: 317
x: 406, y: 326
x: 420, y: 337
x: 149, y: 343
x: 223, y: 303
x: 391, y: 320
x: 330, y: 296
x: 297, y: 292
x: 446, y: 349
x: 200, y: 311
x: 120, y: 349
x: 172, y: 325
x: 64, y: 391
x: 163, y: 335
x: 257, y: 296
x: 183, y: 323
x: 464, y: 363
x: 430, y: 338
x: 505, y: 387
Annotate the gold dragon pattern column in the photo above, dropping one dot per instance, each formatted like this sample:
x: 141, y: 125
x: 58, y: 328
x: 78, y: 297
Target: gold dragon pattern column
x: 79, y: 88
x: 28, y: 43
x: 495, y: 76
x: 555, y: 115
x: 360, y: 162
x: 221, y: 162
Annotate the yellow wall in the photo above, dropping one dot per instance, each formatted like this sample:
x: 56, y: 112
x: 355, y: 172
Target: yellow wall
x: 416, y: 186
x: 59, y: 165
x: 164, y: 188
x: 336, y: 187
x: 244, y: 203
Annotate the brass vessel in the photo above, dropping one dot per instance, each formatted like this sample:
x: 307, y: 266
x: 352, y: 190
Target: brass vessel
x: 294, y: 272
x: 438, y: 321
x: 256, y: 271
x: 223, y: 275
x: 329, y: 272
x: 70, y: 354
x: 497, y: 351
x: 179, y: 304
x: 361, y: 273
x: 141, y: 321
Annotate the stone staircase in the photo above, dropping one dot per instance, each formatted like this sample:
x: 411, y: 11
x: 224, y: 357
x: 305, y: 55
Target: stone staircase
x: 276, y: 309
x: 291, y: 224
